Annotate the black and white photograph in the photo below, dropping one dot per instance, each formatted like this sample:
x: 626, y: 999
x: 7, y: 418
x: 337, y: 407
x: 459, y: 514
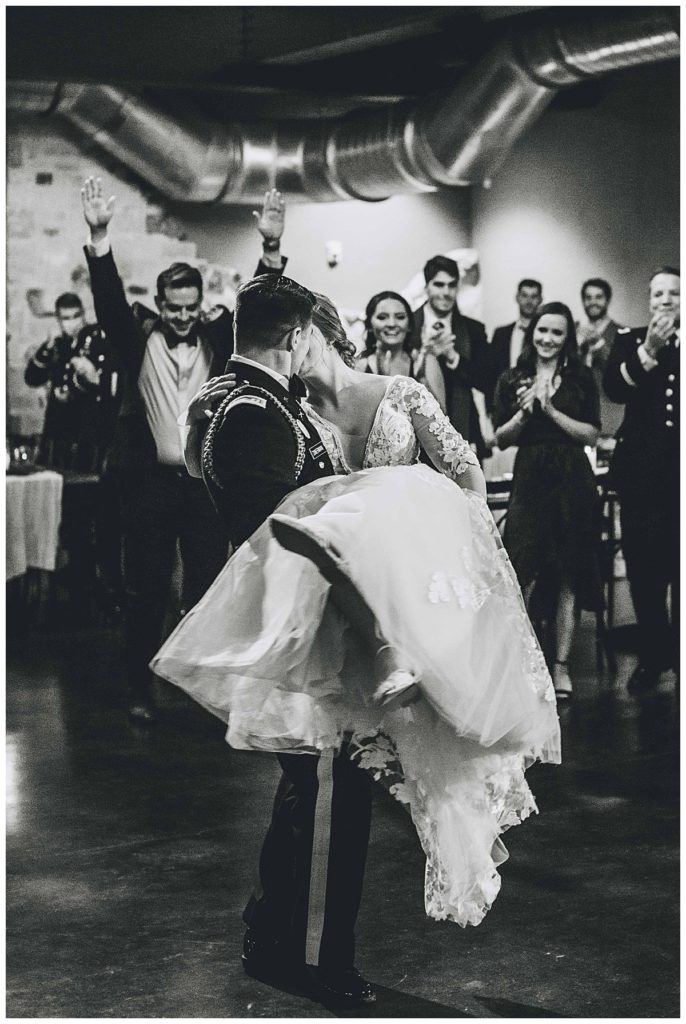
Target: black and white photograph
x: 342, y: 512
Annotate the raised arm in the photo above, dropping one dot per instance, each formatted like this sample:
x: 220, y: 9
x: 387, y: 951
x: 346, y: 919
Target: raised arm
x: 112, y: 309
x: 270, y: 222
x: 448, y: 451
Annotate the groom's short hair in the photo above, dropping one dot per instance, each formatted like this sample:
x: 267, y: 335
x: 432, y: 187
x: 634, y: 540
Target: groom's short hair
x: 267, y: 308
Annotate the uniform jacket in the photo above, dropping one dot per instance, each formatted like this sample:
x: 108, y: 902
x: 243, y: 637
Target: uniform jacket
x: 472, y: 371
x: 646, y: 459
x: 262, y: 447
x: 129, y: 327
x: 79, y: 415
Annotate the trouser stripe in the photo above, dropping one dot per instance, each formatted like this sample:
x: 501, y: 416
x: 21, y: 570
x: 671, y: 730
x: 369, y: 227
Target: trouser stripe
x: 321, y: 840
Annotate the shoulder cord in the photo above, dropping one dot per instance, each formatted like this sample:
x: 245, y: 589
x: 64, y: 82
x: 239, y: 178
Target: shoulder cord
x: 208, y: 443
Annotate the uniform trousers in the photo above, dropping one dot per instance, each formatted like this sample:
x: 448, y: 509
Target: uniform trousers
x: 161, y: 508
x: 650, y: 541
x: 288, y: 907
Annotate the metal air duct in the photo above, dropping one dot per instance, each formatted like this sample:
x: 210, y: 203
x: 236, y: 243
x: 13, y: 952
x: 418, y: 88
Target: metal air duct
x: 370, y: 154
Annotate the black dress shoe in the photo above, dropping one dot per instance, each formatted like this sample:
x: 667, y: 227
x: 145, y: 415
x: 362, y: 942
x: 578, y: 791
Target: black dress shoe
x: 267, y: 960
x: 344, y: 988
x: 642, y: 681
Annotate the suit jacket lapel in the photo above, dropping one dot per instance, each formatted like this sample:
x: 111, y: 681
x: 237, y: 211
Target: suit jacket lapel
x: 462, y: 341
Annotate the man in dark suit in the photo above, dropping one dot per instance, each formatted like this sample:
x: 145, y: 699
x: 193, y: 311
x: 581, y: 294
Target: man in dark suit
x: 165, y: 358
x: 460, y: 345
x: 260, y: 447
x: 643, y: 373
x: 507, y: 341
x: 596, y: 337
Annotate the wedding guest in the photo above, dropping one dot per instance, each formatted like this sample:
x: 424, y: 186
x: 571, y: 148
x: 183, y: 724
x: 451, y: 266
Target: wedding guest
x: 548, y: 405
x: 459, y: 343
x: 389, y: 348
x: 596, y: 337
x: 643, y: 373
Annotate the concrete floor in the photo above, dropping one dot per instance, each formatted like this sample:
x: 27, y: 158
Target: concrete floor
x: 131, y: 853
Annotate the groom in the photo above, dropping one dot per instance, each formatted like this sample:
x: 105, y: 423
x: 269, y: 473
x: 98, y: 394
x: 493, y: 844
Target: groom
x: 301, y: 921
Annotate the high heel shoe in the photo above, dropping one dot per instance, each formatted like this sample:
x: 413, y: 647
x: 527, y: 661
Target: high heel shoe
x: 396, y: 691
x: 562, y: 683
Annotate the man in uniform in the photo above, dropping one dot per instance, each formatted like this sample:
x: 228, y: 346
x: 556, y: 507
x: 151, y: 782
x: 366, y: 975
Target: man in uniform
x: 301, y: 923
x: 79, y: 369
x: 166, y: 357
x: 643, y: 372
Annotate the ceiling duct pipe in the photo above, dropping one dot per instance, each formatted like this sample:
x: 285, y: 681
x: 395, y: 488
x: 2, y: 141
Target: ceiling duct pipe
x: 454, y: 139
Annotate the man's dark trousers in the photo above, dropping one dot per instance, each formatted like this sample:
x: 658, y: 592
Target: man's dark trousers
x: 280, y: 911
x: 161, y: 506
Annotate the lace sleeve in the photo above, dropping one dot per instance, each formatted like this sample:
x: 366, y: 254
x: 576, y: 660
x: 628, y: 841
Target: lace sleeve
x: 448, y: 451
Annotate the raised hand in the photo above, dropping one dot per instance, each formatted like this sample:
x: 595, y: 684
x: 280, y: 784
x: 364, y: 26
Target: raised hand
x: 97, y: 210
x: 272, y: 218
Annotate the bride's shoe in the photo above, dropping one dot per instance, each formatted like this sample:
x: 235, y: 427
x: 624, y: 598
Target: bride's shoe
x: 294, y: 537
x: 562, y: 683
x: 396, y: 691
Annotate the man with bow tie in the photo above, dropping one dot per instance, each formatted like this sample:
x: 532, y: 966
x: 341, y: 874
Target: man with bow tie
x: 166, y: 357
x: 643, y: 373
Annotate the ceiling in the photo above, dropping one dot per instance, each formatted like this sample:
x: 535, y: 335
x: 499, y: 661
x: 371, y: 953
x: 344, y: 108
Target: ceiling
x: 267, y: 63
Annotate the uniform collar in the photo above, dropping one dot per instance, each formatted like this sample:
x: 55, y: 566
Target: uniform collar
x: 278, y: 377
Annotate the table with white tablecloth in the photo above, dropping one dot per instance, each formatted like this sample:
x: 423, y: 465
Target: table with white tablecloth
x: 33, y: 515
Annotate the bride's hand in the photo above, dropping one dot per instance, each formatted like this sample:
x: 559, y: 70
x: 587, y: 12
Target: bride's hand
x: 213, y: 392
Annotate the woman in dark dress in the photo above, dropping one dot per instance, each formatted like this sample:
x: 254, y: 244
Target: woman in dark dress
x: 549, y: 406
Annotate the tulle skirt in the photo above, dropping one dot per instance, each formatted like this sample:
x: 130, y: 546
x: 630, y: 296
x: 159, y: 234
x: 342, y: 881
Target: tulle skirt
x: 267, y: 651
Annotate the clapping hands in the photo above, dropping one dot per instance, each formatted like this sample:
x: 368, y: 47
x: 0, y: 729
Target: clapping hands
x: 438, y: 340
x: 526, y: 396
x: 660, y: 329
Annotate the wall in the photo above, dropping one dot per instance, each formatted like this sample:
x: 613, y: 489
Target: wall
x: 587, y: 193
x: 383, y: 244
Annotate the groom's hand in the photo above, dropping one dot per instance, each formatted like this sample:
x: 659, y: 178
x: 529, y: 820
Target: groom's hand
x: 203, y: 405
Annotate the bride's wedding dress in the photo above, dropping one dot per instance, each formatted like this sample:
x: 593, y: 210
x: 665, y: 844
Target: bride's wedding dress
x: 267, y: 652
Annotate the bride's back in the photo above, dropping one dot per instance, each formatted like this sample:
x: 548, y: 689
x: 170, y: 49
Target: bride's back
x: 354, y: 414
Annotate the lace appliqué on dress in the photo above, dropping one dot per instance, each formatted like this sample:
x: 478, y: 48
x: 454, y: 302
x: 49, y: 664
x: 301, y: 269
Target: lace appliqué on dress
x: 454, y: 451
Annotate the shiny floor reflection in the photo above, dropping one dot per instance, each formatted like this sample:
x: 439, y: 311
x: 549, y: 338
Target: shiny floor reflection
x: 130, y: 854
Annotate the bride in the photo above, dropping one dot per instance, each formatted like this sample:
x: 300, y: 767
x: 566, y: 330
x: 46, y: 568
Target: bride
x: 267, y: 651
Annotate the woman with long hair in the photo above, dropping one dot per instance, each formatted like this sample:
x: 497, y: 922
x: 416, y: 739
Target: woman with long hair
x: 549, y: 406
x: 389, y: 322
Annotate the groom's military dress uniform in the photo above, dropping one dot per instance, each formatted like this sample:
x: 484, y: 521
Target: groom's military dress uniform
x: 261, y: 447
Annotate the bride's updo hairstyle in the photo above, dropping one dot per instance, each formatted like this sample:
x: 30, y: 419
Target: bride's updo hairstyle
x: 326, y: 319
